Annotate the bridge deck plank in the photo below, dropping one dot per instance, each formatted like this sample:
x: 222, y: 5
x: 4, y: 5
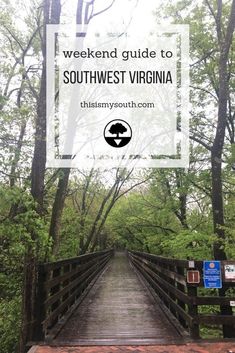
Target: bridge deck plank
x: 218, y: 347
x: 118, y: 307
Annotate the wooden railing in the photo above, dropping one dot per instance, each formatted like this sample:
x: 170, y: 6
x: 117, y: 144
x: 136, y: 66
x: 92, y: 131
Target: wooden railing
x: 166, y: 279
x: 61, y: 286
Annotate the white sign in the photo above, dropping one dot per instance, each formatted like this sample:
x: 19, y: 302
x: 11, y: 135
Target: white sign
x: 229, y: 271
x: 191, y: 264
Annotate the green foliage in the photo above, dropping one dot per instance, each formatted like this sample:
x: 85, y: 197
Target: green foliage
x: 10, y: 323
x: 70, y: 234
x: 15, y: 238
x: 189, y: 245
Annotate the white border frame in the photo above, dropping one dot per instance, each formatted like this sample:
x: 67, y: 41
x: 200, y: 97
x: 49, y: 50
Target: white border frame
x: 183, y: 162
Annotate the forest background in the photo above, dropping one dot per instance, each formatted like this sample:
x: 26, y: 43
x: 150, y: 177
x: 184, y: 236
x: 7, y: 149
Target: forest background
x: 48, y: 214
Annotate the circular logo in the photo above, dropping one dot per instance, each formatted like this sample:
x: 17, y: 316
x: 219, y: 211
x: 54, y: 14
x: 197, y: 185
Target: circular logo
x: 117, y: 133
x: 211, y: 265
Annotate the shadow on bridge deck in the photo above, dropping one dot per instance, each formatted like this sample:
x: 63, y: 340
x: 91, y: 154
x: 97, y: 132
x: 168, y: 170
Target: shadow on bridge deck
x: 118, y: 310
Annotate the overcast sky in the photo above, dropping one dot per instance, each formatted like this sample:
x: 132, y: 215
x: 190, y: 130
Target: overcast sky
x: 118, y: 17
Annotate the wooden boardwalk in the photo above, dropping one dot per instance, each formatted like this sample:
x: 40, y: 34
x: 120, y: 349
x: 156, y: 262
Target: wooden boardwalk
x: 118, y: 310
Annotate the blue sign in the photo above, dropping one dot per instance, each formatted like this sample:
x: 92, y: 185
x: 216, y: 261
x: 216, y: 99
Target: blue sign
x: 212, y: 274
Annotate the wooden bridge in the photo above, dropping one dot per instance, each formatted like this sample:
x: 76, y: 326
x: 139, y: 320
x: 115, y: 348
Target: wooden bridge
x: 130, y: 298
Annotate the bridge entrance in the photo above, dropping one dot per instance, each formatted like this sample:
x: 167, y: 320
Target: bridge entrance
x: 118, y: 310
x: 131, y: 298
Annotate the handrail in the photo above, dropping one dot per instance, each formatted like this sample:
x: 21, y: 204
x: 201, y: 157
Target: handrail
x: 61, y: 286
x: 167, y: 279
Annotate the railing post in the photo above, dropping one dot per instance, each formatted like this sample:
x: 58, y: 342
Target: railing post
x: 171, y: 281
x: 193, y: 312
x: 181, y: 287
x: 56, y: 273
x: 228, y: 330
x: 40, y: 314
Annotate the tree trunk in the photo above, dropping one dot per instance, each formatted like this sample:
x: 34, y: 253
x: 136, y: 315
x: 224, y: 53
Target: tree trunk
x: 28, y: 297
x: 17, y: 154
x: 39, y: 156
x: 93, y: 230
x: 182, y: 214
x: 57, y: 209
x: 217, y: 148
